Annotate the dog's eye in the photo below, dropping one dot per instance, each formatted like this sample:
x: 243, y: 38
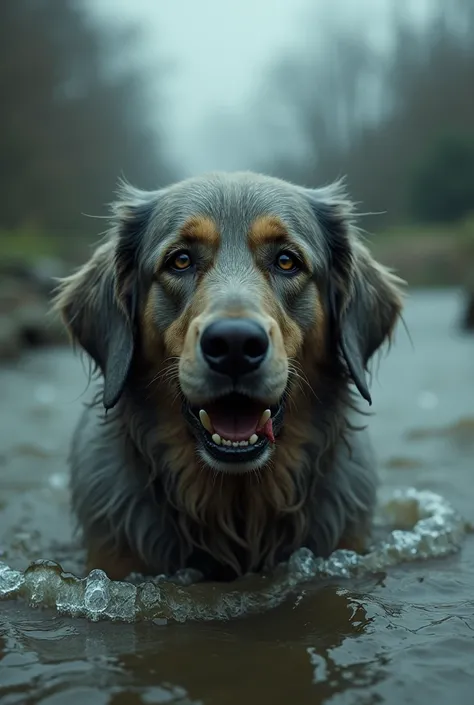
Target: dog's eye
x: 180, y: 261
x: 287, y: 262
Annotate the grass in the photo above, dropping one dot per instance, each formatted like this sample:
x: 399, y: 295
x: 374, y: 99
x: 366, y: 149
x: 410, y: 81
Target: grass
x: 435, y: 255
x: 29, y: 245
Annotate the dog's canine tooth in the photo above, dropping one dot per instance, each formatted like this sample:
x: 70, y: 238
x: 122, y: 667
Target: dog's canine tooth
x: 206, y: 421
x: 217, y: 439
x: 264, y: 418
x: 253, y: 439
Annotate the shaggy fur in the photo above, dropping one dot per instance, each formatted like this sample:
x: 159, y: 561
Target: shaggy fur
x: 145, y: 496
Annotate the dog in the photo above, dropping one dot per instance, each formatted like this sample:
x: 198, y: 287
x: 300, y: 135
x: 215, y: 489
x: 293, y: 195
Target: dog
x: 231, y: 319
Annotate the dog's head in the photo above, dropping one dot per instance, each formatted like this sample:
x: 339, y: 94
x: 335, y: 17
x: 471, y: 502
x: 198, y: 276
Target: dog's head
x: 244, y: 283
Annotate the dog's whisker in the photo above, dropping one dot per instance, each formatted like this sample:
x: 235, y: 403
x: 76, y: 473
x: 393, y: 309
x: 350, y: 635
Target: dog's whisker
x: 148, y: 474
x: 168, y: 372
x: 302, y: 380
x: 297, y: 369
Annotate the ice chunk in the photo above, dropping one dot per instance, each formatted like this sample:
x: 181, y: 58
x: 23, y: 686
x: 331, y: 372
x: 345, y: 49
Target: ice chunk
x: 11, y: 581
x: 424, y: 525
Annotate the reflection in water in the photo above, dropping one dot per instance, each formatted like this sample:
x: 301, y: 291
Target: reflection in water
x: 257, y: 649
x: 98, y: 669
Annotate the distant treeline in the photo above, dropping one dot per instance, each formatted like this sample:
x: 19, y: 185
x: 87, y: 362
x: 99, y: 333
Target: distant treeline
x: 398, y: 121
x: 72, y: 120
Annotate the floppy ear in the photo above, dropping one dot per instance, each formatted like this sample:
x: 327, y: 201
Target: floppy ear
x: 365, y: 298
x: 98, y: 303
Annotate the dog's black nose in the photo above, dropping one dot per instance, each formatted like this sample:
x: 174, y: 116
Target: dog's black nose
x: 234, y: 346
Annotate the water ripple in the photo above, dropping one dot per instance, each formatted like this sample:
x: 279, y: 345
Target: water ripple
x: 423, y: 525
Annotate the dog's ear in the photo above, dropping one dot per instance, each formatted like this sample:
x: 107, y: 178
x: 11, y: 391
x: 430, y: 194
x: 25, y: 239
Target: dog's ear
x: 364, y: 297
x: 98, y: 303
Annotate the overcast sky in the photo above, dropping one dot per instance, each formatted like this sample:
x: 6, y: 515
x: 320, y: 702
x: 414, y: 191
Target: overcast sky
x: 218, y: 53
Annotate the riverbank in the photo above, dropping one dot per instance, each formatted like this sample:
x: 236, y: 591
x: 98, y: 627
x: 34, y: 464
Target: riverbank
x: 438, y: 256
x: 31, y: 264
x: 425, y: 256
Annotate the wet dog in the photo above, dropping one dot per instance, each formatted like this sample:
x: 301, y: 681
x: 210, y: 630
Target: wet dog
x: 231, y: 318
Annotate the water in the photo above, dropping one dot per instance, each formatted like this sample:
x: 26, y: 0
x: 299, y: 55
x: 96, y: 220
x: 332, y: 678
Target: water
x: 347, y: 630
x: 434, y: 530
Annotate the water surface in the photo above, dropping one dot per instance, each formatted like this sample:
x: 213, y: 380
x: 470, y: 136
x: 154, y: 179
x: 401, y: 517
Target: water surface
x: 392, y: 636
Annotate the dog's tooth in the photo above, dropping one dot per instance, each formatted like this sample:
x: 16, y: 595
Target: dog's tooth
x: 243, y: 443
x: 235, y: 444
x: 206, y: 421
x: 253, y: 439
x: 217, y: 439
x: 264, y: 418
x: 228, y: 443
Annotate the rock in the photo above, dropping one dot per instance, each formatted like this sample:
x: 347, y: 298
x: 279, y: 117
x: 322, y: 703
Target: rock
x: 41, y: 275
x: 10, y: 344
x: 26, y: 319
x: 36, y: 325
x: 467, y: 322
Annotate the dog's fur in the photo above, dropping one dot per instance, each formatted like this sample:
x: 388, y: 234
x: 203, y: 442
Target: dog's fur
x: 145, y: 496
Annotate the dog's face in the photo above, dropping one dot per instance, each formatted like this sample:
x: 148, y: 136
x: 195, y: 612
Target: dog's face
x: 232, y: 277
x: 244, y: 283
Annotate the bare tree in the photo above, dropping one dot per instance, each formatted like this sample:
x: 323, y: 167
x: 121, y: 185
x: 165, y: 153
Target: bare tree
x: 72, y: 122
x: 378, y: 117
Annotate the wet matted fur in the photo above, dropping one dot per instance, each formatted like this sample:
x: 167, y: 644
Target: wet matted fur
x: 148, y: 494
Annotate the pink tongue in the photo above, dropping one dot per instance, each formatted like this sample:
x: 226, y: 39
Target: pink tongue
x: 235, y: 427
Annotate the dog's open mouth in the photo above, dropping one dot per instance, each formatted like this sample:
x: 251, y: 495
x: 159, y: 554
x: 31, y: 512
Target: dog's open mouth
x: 235, y: 428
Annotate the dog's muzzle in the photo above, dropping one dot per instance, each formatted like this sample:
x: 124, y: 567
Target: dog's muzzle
x: 235, y: 427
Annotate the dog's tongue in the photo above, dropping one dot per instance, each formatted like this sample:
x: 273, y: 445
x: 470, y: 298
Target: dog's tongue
x: 234, y: 425
x: 267, y: 430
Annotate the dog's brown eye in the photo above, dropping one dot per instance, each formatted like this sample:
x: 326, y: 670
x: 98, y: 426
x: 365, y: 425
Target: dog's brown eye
x: 180, y: 261
x: 286, y: 262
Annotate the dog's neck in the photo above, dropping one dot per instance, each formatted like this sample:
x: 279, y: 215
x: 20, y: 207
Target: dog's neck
x: 244, y: 521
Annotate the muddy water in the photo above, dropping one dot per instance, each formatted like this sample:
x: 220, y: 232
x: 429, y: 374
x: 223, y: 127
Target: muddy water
x: 394, y: 636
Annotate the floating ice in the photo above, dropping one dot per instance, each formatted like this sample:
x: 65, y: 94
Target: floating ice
x: 424, y: 525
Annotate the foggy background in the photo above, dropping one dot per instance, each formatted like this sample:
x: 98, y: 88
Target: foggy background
x: 379, y: 90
